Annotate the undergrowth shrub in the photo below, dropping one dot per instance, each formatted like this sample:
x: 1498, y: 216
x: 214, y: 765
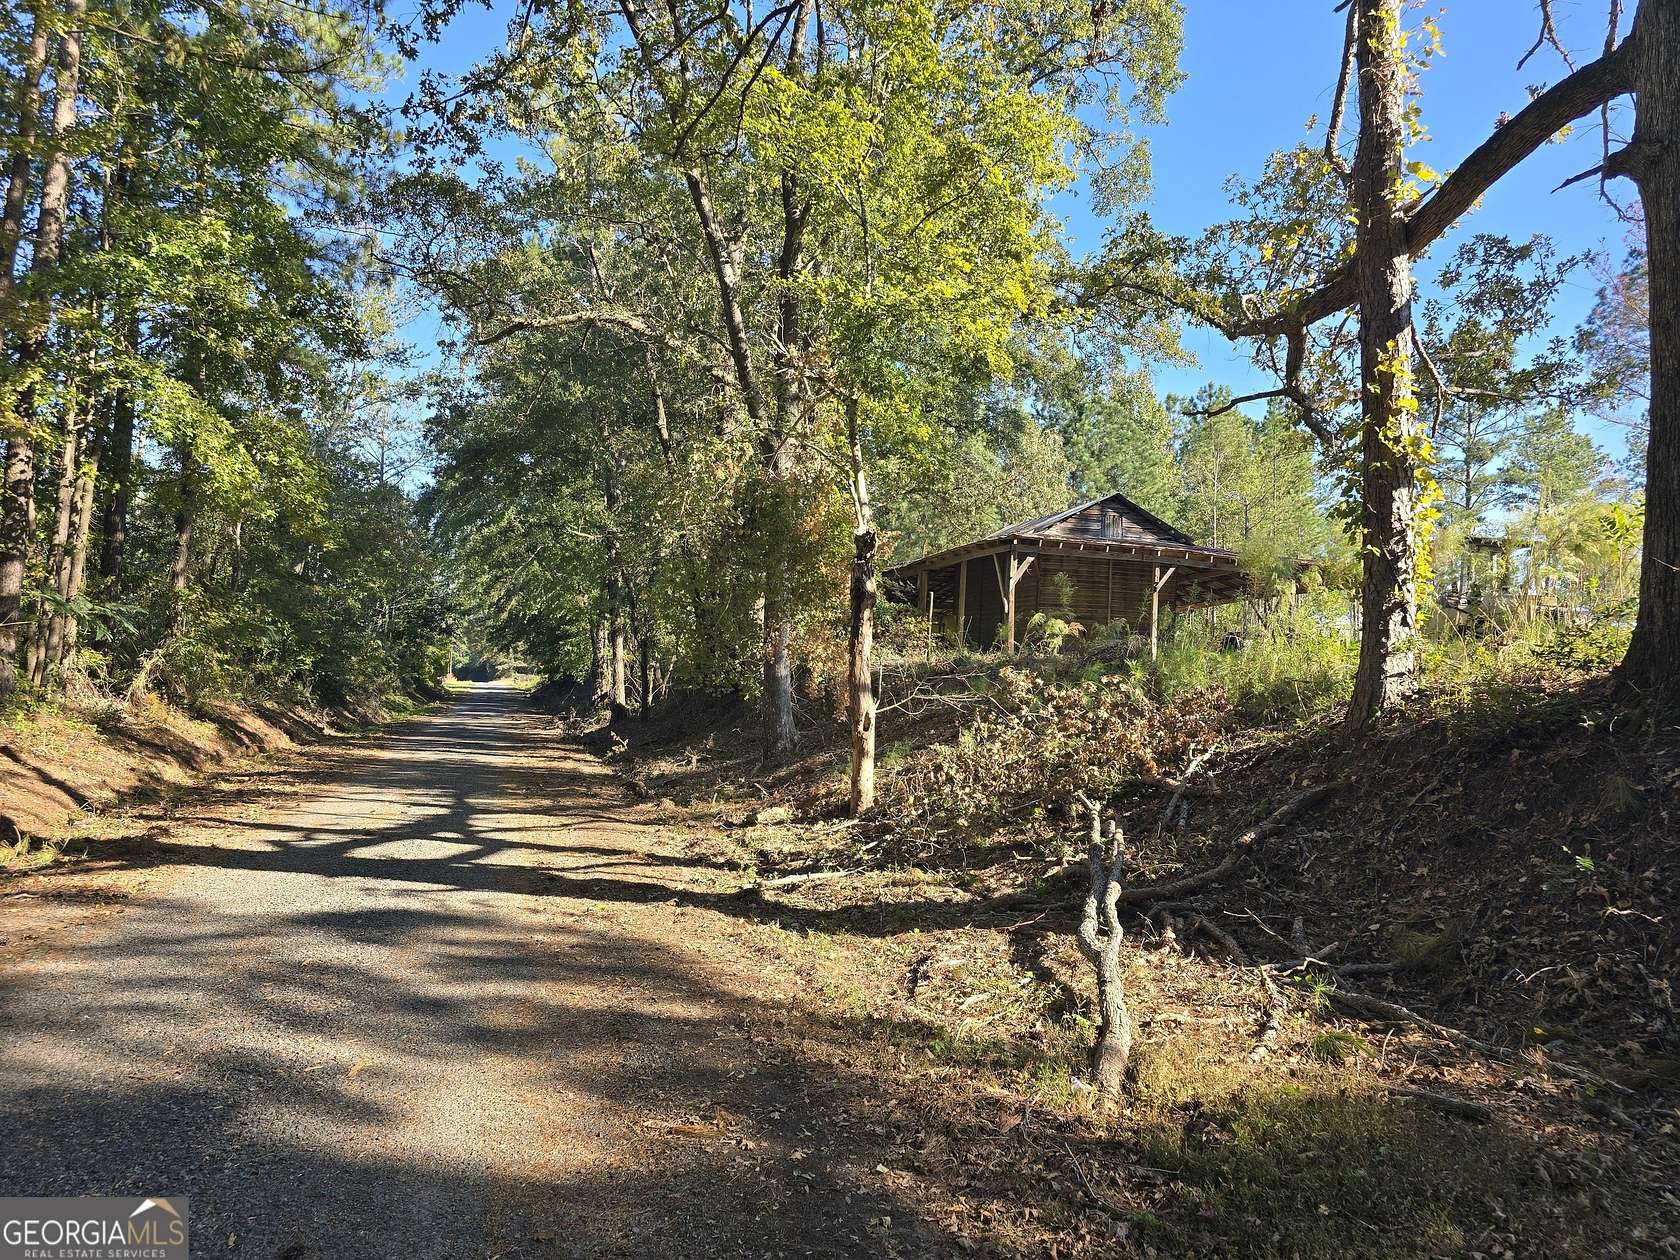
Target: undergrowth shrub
x: 1297, y: 671
x: 1038, y: 740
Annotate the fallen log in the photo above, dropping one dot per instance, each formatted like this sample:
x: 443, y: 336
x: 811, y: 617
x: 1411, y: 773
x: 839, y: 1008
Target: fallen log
x: 789, y: 881
x: 1444, y: 1102
x: 1240, y: 848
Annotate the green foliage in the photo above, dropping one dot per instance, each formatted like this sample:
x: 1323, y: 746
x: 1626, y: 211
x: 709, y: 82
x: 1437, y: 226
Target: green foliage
x: 212, y: 356
x: 1251, y: 487
x: 1338, y: 1046
x: 811, y: 257
x: 1298, y: 668
x: 1046, y: 632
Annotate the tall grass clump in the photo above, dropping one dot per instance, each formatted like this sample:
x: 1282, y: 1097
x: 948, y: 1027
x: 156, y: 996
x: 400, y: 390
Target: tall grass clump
x: 1299, y: 667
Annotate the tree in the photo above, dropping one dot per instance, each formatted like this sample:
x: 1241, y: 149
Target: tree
x: 1250, y: 486
x: 1614, y: 343
x: 1482, y: 377
x: 178, y: 335
x: 17, y: 490
x: 1652, y: 161
x: 1118, y: 435
x: 850, y: 217
x: 1396, y: 221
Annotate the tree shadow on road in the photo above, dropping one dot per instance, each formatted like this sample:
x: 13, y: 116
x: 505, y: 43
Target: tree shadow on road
x: 422, y: 1081
x: 477, y: 1041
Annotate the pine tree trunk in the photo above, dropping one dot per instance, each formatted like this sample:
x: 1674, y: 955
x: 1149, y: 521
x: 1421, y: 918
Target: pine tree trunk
x: 26, y: 111
x: 598, y: 685
x: 48, y: 636
x: 1652, y: 159
x: 17, y: 499
x: 113, y: 531
x: 1389, y: 432
x: 70, y: 628
x: 180, y: 564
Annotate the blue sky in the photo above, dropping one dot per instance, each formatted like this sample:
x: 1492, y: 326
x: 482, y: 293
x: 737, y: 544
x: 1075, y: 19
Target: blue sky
x: 1256, y: 72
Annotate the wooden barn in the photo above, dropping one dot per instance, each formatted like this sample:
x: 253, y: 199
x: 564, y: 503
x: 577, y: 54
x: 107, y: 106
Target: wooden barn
x: 1119, y: 561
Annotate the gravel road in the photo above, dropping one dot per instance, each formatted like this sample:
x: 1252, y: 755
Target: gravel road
x: 448, y: 995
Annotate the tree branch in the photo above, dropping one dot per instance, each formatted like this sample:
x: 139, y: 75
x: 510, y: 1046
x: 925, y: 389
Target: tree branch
x: 1548, y: 35
x: 1574, y: 97
x: 1338, y: 106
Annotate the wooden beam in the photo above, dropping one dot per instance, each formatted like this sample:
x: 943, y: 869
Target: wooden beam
x: 1155, y: 616
x: 1009, y: 606
x: 1017, y: 571
x: 962, y: 603
x: 1211, y: 560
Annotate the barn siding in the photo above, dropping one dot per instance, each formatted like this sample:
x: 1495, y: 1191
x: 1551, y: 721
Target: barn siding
x: 1095, y: 599
x: 1107, y: 523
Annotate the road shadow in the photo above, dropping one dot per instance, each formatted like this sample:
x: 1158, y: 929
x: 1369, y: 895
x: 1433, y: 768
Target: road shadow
x: 291, y: 1076
x: 463, y: 1037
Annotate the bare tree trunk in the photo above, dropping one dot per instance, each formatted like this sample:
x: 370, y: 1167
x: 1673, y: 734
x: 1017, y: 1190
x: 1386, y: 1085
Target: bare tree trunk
x: 645, y: 641
x: 792, y: 400
x: 860, y: 665
x: 1389, y: 434
x: 236, y: 558
x: 70, y: 628
x: 1652, y: 160
x: 25, y: 113
x: 180, y: 565
x: 113, y: 532
x: 619, y: 693
x: 780, y: 733
x: 48, y: 631
x: 598, y: 684
x: 17, y: 496
x: 1100, y: 938
x: 16, y: 529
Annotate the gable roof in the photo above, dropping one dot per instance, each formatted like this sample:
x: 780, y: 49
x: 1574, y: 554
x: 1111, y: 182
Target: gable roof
x: 1112, y: 525
x: 1116, y: 502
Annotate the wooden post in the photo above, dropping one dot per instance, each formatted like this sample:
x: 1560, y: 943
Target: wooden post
x: 1110, y: 616
x: 1017, y: 571
x: 924, y: 605
x: 1003, y: 593
x: 1161, y: 580
x: 1155, y: 616
x: 1009, y: 605
x: 962, y: 603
